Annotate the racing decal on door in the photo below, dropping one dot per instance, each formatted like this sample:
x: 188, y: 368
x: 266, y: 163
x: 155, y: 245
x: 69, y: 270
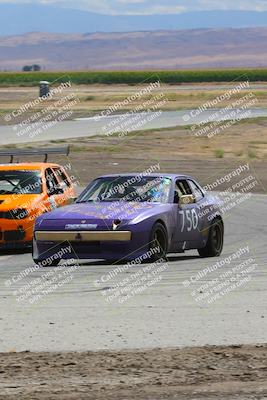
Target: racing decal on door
x: 190, y: 220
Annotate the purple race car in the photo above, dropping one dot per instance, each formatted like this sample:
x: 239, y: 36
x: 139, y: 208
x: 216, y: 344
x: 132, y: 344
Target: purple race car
x: 122, y: 217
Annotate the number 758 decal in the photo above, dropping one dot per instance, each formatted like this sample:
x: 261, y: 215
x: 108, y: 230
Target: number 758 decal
x: 189, y: 220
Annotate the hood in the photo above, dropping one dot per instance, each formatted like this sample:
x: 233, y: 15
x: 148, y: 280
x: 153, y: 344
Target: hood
x: 26, y: 201
x: 102, y: 213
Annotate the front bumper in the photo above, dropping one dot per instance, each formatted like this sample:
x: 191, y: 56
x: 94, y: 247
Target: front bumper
x: 15, y: 237
x: 15, y: 245
x: 12, y: 236
x: 109, y: 245
x: 15, y: 234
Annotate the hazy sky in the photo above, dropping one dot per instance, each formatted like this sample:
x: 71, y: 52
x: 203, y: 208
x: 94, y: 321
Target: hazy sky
x: 150, y: 6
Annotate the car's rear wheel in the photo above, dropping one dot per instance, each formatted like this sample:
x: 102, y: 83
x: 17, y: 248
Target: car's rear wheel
x: 158, y: 242
x: 214, y: 244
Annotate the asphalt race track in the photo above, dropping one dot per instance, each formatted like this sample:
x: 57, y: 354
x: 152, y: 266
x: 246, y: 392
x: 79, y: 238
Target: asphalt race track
x: 77, y: 316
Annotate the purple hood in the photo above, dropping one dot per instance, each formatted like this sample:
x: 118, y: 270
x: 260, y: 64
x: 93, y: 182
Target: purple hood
x: 103, y: 213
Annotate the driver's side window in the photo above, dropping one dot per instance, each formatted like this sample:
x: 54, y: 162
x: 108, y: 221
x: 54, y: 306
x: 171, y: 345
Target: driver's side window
x: 51, y: 182
x: 196, y: 191
x: 181, y: 189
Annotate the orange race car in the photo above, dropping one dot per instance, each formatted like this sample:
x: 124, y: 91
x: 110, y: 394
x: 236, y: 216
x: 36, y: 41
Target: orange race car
x: 28, y: 190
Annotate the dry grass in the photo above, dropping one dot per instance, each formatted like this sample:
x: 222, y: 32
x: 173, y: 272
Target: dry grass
x: 99, y: 97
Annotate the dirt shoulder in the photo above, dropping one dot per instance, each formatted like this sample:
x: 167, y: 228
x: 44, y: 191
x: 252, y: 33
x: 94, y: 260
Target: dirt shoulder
x: 175, y: 150
x: 189, y: 373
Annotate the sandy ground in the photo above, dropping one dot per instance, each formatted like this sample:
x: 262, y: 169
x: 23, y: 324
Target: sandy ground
x: 175, y: 150
x: 205, y: 170
x: 235, y: 372
x: 245, y: 140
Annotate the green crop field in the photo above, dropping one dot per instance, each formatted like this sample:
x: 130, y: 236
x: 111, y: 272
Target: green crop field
x: 133, y: 77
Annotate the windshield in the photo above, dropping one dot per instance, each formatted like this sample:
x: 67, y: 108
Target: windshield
x: 20, y: 182
x: 127, y: 188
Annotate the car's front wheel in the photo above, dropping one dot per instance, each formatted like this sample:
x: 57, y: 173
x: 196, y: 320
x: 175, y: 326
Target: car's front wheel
x: 158, y: 242
x: 214, y: 244
x: 43, y: 262
x: 46, y: 263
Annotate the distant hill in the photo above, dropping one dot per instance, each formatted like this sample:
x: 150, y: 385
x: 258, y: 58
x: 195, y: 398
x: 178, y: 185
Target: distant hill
x: 199, y: 48
x: 22, y: 18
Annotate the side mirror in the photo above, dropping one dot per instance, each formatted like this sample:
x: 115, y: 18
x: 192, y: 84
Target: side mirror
x: 187, y: 199
x: 72, y: 200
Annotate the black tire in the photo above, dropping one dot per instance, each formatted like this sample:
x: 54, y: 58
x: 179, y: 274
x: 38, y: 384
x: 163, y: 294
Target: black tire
x: 159, y: 242
x: 214, y: 244
x: 42, y: 263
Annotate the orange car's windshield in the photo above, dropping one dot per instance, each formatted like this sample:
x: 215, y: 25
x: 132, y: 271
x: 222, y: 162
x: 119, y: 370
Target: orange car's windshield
x: 20, y: 182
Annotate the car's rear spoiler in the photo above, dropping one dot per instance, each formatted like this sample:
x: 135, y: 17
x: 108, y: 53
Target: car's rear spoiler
x: 35, y: 152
